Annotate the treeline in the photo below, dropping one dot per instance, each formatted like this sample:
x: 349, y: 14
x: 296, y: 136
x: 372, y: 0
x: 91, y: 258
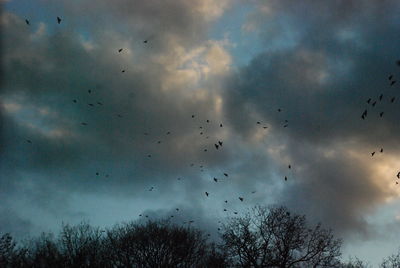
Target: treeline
x: 264, y: 237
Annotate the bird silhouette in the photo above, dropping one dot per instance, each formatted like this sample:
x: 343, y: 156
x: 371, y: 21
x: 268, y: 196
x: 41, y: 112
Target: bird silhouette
x: 279, y: 110
x: 381, y: 114
x: 398, y: 175
x: 216, y: 146
x: 119, y: 50
x: 58, y: 20
x: 208, y: 121
x: 380, y: 97
x: 289, y: 166
x: 220, y: 125
x: 226, y: 201
x: 206, y: 193
x: 369, y: 100
x: 27, y: 21
x: 84, y: 124
x: 151, y: 188
x: 226, y: 174
x: 28, y: 141
x: 381, y: 150
x: 390, y: 77
x: 392, y: 99
x: 145, y: 41
x: 373, y: 104
x: 285, y: 178
x: 123, y: 71
x: 393, y: 82
x: 215, y: 179
x: 97, y: 173
x: 241, y: 199
x: 372, y: 154
x: 192, y: 115
x: 258, y: 123
x: 220, y: 143
x: 74, y: 101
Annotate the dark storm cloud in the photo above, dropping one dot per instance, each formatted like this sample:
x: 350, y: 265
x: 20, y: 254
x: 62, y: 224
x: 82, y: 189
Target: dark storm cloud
x: 46, y: 70
x: 342, y: 55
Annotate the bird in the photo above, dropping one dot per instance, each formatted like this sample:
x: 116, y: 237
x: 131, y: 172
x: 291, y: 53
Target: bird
x: 285, y: 178
x: 225, y: 209
x: 27, y: 21
x: 390, y: 77
x: 123, y: 71
x: 145, y: 41
x: 241, y: 199
x: 373, y: 104
x: 372, y: 154
x: 258, y: 123
x: 206, y: 193
x: 215, y: 179
x: 220, y: 125
x: 226, y: 201
x: 159, y: 142
x: 99, y: 103
x: 149, y: 155
x: 265, y: 127
x: 226, y: 174
x: 140, y: 215
x: 289, y: 166
x: 151, y: 188
x: 177, y: 209
x: 216, y: 146
x: 28, y: 141
x: 120, y: 116
x: 74, y: 101
x: 205, y: 150
x: 392, y: 100
x: 235, y: 213
x: 84, y: 124
x: 398, y: 175
x: 168, y: 133
x: 58, y: 20
x: 220, y: 143
x: 90, y: 104
x: 380, y: 97
x: 381, y: 114
x: 119, y: 50
x: 208, y: 121
x: 381, y: 150
x: 192, y: 115
x: 369, y: 100
x: 279, y: 110
x: 253, y: 192
x: 364, y: 114
x: 393, y: 82
x: 285, y: 125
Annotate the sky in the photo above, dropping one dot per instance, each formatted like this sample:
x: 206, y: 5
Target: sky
x: 90, y: 133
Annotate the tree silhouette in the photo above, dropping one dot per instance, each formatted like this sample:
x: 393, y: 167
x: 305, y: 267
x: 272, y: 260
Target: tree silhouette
x: 276, y: 238
x: 392, y: 261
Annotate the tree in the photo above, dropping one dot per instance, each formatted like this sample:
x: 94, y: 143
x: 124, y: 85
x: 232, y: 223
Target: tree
x: 355, y: 263
x: 392, y: 261
x: 273, y: 237
x: 158, y: 244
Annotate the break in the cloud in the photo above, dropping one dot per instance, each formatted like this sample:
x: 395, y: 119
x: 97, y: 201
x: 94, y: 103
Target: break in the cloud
x: 319, y: 64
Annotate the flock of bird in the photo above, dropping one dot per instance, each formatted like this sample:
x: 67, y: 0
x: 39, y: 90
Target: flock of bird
x: 219, y: 144
x: 373, y: 102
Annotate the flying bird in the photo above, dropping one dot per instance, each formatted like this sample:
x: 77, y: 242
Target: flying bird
x: 220, y: 143
x: 398, y: 175
x: 380, y: 97
x: 123, y: 71
x: 74, y: 101
x: 28, y: 141
x: 258, y: 123
x: 84, y: 124
x: 145, y: 41
x: 220, y: 125
x: 279, y: 110
x: 372, y: 154
x: 215, y: 179
x: 226, y: 201
x: 289, y: 166
x: 192, y: 115
x: 369, y: 100
x: 58, y: 20
x: 390, y: 77
x: 381, y: 114
x: 97, y: 173
x: 381, y: 150
x: 151, y: 188
x: 373, y: 104
x: 216, y: 146
x: 392, y: 100
x: 119, y: 50
x: 206, y: 193
x: 393, y: 82
x: 285, y: 178
x: 225, y: 174
x: 27, y: 21
x: 241, y: 199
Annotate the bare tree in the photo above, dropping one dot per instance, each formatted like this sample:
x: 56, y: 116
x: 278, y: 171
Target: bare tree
x: 273, y: 237
x: 355, y: 263
x: 392, y: 261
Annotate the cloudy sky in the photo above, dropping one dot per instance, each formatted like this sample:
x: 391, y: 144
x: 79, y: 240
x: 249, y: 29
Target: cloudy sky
x: 86, y: 131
